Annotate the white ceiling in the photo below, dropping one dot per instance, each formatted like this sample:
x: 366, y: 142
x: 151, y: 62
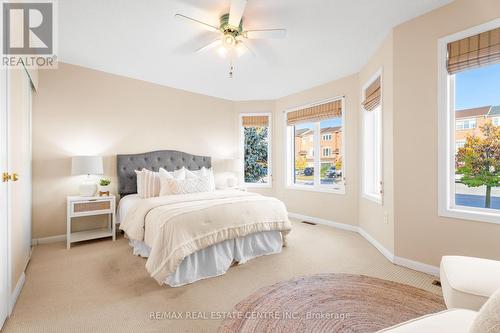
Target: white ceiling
x: 327, y: 39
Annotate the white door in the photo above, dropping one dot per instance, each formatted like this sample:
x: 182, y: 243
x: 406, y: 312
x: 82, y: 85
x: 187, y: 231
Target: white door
x: 4, y: 231
x: 19, y: 166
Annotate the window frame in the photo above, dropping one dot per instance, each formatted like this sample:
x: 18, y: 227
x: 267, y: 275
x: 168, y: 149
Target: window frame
x: 289, y: 151
x: 377, y: 198
x: 269, y: 184
x: 446, y: 135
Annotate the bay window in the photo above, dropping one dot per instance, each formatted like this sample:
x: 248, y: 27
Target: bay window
x: 315, y: 146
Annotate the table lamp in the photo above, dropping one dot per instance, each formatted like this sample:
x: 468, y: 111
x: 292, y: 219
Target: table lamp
x: 87, y: 165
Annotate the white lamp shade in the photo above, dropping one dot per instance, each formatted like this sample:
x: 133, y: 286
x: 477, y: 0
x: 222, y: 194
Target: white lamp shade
x: 86, y: 165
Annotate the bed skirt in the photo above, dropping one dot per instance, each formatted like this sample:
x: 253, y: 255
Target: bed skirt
x: 215, y: 260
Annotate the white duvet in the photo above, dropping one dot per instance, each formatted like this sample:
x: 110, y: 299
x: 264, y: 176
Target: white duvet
x: 188, y: 223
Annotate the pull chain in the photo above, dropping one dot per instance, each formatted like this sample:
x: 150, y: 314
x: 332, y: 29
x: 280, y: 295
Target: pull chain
x: 231, y: 70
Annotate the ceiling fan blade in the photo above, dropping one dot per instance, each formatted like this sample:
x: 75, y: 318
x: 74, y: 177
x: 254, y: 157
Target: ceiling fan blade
x: 247, y: 48
x: 203, y: 24
x: 209, y: 46
x: 266, y: 33
x: 236, y: 12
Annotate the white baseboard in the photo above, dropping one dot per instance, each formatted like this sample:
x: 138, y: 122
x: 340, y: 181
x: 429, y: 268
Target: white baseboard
x: 17, y: 291
x: 318, y: 220
x: 48, y: 240
x: 388, y: 254
x: 415, y: 265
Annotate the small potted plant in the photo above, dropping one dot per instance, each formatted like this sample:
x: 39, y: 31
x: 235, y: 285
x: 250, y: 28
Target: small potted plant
x: 104, y: 186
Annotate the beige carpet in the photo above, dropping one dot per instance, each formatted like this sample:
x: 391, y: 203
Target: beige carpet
x: 101, y: 287
x: 340, y: 303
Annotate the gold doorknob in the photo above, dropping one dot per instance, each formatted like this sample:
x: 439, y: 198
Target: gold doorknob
x: 6, y: 177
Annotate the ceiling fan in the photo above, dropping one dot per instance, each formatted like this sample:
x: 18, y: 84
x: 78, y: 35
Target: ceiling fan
x: 232, y: 35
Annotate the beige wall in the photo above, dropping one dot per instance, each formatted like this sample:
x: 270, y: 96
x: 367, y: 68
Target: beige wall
x: 420, y: 234
x: 341, y: 208
x: 370, y: 213
x: 81, y: 111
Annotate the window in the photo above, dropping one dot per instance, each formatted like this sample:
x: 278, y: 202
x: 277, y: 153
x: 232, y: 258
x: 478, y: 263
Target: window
x: 256, y: 148
x: 312, y: 129
x: 469, y: 161
x: 372, y: 140
x: 466, y: 124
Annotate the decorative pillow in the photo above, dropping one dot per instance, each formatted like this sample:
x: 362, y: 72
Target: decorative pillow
x: 488, y: 318
x: 165, y: 176
x: 190, y: 185
x: 148, y: 183
x: 205, y: 172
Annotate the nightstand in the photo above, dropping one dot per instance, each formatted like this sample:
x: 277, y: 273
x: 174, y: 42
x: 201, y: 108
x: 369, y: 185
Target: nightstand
x: 90, y: 206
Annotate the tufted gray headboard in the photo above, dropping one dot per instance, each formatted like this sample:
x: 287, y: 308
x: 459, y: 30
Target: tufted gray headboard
x: 168, y: 159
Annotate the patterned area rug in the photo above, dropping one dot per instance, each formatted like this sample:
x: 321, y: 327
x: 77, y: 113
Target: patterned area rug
x: 330, y: 303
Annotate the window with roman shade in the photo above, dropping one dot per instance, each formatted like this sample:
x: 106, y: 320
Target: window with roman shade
x: 474, y: 51
x: 372, y: 95
x: 315, y: 146
x: 468, y: 79
x: 256, y: 148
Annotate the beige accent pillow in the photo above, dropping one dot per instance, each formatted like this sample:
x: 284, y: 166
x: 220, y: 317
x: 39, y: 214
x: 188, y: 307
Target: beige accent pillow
x: 488, y: 318
x: 148, y: 183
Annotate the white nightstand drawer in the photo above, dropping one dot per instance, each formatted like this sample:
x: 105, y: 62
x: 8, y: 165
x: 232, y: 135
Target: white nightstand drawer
x: 92, y: 206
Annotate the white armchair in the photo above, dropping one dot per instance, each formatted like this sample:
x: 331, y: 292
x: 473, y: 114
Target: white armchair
x: 469, y: 285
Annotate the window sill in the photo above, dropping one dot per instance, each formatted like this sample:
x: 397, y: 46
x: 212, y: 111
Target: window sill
x: 469, y: 214
x: 257, y: 185
x: 340, y: 190
x: 374, y: 198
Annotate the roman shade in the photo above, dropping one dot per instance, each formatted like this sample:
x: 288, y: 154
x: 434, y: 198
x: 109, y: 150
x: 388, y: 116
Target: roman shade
x: 255, y: 121
x: 372, y: 95
x: 474, y: 51
x: 319, y: 112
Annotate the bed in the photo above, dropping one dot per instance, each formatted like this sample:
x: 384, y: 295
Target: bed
x: 189, y: 237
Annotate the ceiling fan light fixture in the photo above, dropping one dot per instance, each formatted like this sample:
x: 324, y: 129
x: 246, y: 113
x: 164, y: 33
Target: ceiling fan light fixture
x: 228, y: 40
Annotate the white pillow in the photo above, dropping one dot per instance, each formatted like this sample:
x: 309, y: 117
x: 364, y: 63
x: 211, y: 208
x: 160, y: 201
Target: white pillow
x: 190, y: 185
x: 148, y: 183
x: 165, y: 175
x: 205, y: 172
x: 488, y: 317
